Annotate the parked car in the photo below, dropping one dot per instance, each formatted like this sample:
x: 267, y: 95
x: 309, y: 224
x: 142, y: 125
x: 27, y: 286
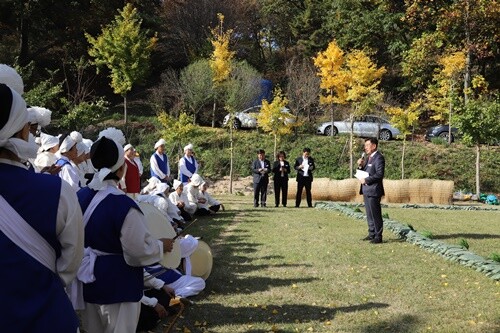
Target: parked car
x: 364, y: 126
x: 441, y: 131
x: 248, y: 117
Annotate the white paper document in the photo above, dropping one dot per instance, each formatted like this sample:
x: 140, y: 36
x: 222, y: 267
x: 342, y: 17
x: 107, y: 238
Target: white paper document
x: 360, y: 174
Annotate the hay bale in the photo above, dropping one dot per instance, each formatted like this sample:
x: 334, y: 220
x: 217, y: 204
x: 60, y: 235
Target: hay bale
x: 320, y: 189
x: 442, y: 192
x: 420, y: 190
x: 344, y: 190
x: 396, y: 191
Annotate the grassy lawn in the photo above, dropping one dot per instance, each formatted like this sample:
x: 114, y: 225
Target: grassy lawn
x: 306, y: 270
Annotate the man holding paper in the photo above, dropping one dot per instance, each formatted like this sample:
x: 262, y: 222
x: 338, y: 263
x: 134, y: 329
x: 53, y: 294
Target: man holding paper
x: 371, y: 174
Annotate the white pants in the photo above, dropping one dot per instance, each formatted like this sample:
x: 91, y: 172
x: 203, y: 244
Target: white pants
x: 111, y: 318
x: 187, y: 286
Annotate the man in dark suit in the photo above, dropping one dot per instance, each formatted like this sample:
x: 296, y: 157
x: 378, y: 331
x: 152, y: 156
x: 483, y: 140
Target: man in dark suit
x: 305, y: 167
x: 372, y: 189
x: 260, y: 170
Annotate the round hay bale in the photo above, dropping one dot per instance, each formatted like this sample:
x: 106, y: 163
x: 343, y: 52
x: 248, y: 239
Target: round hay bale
x: 396, y: 191
x: 320, y: 189
x: 344, y: 190
x: 292, y: 189
x: 420, y: 190
x: 442, y: 192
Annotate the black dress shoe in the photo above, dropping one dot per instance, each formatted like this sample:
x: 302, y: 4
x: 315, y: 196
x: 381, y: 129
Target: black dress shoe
x: 367, y: 238
x: 256, y: 205
x: 376, y: 241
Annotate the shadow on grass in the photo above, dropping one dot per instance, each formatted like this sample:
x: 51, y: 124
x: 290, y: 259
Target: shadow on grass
x: 401, y: 324
x: 468, y: 236
x: 291, y: 314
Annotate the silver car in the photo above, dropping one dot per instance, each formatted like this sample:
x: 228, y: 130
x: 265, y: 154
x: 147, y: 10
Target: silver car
x: 248, y: 117
x: 364, y: 126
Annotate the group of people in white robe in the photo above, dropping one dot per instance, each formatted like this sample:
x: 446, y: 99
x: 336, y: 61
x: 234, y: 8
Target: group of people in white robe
x: 71, y: 226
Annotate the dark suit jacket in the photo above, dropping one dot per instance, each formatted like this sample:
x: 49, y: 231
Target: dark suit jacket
x: 376, y: 167
x: 259, y: 177
x: 277, y: 172
x: 300, y: 172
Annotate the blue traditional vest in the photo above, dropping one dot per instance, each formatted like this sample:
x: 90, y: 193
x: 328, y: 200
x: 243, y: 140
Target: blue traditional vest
x: 62, y: 162
x: 161, y: 164
x: 169, y: 276
x: 32, y: 297
x: 190, y: 166
x: 116, y: 281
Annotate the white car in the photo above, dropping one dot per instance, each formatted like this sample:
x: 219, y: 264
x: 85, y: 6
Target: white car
x: 248, y: 117
x: 364, y: 126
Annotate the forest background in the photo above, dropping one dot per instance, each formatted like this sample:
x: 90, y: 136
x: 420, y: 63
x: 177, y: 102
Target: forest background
x: 414, y: 41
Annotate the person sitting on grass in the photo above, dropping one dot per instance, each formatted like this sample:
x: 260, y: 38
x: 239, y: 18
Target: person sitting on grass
x: 211, y: 205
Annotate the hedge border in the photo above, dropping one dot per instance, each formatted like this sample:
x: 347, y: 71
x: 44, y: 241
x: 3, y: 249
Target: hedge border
x: 455, y: 253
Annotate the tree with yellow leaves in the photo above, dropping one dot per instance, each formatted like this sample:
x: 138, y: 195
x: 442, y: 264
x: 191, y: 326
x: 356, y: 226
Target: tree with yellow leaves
x: 444, y: 94
x: 405, y: 120
x: 273, y: 120
x: 352, y: 79
x: 221, y: 58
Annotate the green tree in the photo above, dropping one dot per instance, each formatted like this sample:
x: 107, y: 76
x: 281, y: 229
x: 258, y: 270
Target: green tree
x: 405, y: 120
x: 177, y: 131
x: 479, y: 123
x: 273, y: 120
x: 125, y: 50
x: 196, y: 86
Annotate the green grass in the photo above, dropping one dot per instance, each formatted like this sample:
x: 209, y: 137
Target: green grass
x: 479, y: 228
x: 306, y: 270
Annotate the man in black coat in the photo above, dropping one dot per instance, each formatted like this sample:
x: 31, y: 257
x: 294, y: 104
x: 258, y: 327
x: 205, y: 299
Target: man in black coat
x: 260, y: 170
x: 305, y: 167
x: 372, y: 189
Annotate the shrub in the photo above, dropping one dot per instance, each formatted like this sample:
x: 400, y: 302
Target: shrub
x: 463, y: 243
x: 427, y: 234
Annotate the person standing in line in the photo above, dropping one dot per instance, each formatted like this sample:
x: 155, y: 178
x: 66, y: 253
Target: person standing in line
x: 159, y: 165
x: 281, y: 169
x: 260, y: 169
x: 187, y: 165
x: 372, y: 189
x: 41, y: 232
x: 132, y: 176
x: 305, y: 167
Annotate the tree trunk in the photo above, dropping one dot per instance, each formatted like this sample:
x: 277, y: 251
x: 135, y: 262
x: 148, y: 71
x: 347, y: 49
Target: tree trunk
x: 125, y: 108
x: 230, y: 159
x: 24, y: 36
x: 467, y: 76
x: 449, y: 115
x: 213, y: 114
x: 331, y: 118
x: 403, y: 159
x: 478, y: 146
x: 275, y: 143
x: 351, y: 139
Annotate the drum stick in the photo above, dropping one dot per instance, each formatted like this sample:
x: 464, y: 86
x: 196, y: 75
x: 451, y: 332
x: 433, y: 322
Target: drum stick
x: 184, y: 229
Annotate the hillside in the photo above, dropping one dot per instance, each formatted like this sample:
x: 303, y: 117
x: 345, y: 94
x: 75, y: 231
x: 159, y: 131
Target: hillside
x: 423, y: 159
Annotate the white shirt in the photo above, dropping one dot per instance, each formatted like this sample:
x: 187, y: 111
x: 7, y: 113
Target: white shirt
x: 193, y: 194
x: 210, y: 201
x: 175, y: 198
x: 44, y: 159
x: 70, y: 174
x: 156, y: 169
x: 305, y: 164
x: 183, y: 169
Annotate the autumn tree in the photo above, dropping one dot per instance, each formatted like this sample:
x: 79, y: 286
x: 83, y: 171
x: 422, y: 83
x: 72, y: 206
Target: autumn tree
x: 273, y: 120
x: 447, y: 88
x: 220, y: 60
x: 405, y: 120
x: 352, y: 79
x: 125, y: 50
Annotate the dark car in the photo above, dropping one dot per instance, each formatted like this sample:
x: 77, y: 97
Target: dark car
x: 441, y: 131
